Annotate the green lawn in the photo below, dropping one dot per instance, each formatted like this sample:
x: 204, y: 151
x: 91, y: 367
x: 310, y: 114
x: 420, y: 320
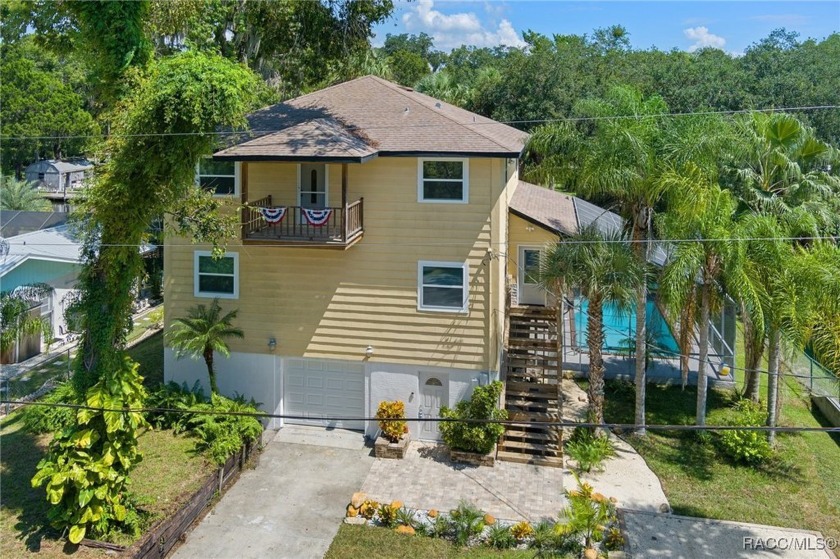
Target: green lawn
x: 169, y: 473
x: 797, y: 489
x: 149, y: 353
x: 353, y: 542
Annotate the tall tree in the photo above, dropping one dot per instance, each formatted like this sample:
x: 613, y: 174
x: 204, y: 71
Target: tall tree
x: 709, y: 252
x: 22, y: 196
x: 606, y: 271
x: 202, y: 333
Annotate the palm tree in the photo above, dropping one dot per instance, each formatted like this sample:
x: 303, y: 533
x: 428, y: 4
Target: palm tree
x: 606, y: 271
x: 16, y: 321
x: 713, y: 261
x: 203, y: 332
x: 780, y: 166
x: 21, y: 195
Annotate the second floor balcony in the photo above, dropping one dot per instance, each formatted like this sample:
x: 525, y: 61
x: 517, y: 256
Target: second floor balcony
x: 280, y: 225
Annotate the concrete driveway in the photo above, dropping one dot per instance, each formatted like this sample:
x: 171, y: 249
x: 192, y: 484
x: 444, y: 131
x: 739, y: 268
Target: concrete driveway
x: 291, y: 505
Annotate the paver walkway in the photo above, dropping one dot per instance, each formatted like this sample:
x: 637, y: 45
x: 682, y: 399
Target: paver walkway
x: 425, y: 479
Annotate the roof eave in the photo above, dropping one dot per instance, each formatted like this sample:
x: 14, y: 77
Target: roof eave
x: 296, y: 158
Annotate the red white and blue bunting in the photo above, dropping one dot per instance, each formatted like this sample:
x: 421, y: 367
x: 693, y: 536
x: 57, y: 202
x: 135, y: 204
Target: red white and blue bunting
x: 273, y: 216
x: 316, y: 217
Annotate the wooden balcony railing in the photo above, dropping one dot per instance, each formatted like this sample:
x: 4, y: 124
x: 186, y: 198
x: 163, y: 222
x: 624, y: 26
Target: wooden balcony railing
x: 343, y: 227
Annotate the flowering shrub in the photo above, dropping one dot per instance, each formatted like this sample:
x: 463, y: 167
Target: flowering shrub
x: 389, y: 415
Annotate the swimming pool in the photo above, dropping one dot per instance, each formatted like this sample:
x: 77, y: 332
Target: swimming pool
x: 620, y: 327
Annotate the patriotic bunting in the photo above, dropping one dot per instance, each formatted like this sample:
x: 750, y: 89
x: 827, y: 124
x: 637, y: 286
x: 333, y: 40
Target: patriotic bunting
x: 316, y: 217
x: 273, y: 216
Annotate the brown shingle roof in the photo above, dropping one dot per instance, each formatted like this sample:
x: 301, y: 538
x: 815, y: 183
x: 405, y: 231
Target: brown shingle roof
x: 549, y: 209
x: 381, y: 117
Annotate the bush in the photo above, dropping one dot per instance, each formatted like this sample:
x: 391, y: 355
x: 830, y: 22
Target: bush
x: 549, y: 541
x: 474, y: 437
x: 222, y: 434
x: 175, y: 397
x: 388, y: 515
x: 467, y: 523
x: 392, y: 430
x: 589, y: 516
x: 522, y: 531
x: 51, y: 419
x: 501, y: 537
x: 589, y: 450
x: 748, y: 447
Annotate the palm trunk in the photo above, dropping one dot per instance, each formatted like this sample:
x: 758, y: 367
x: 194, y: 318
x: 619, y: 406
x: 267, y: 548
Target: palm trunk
x: 753, y: 349
x: 702, y: 381
x: 686, y: 328
x: 208, y: 358
x: 595, y: 338
x: 774, y: 356
x: 640, y: 249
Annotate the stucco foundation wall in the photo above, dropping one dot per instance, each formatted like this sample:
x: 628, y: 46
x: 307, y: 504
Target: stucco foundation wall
x: 260, y: 376
x: 830, y: 407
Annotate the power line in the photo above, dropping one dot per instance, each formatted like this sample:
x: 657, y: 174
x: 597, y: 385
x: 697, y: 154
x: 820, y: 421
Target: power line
x: 835, y: 238
x: 505, y: 422
x: 468, y: 124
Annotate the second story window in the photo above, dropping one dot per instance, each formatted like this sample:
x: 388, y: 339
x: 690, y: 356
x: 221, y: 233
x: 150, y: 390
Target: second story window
x: 219, y: 177
x: 443, y: 180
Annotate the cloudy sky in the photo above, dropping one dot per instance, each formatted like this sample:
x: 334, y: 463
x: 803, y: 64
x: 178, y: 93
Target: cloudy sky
x: 665, y: 24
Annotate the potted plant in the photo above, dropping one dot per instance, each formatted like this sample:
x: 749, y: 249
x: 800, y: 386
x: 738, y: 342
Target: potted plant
x: 393, y: 441
x: 474, y: 443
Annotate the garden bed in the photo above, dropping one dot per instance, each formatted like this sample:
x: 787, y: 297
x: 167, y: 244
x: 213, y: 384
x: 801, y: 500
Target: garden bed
x: 170, y: 473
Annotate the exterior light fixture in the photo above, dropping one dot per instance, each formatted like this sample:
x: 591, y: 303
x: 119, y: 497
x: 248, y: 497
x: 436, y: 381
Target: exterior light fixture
x: 369, y: 351
x: 272, y: 344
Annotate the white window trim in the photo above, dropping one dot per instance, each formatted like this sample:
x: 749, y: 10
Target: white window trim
x: 466, y: 180
x: 465, y: 287
x: 212, y: 294
x: 237, y: 174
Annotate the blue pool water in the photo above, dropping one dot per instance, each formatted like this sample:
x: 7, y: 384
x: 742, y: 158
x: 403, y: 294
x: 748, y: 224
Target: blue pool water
x: 620, y: 327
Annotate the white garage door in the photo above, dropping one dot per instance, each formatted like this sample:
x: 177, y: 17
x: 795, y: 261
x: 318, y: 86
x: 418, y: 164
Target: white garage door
x: 319, y: 389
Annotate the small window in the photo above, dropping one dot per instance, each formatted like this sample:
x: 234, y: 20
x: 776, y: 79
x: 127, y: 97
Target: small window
x: 443, y: 180
x: 434, y: 382
x: 442, y: 286
x: 216, y: 277
x: 219, y: 177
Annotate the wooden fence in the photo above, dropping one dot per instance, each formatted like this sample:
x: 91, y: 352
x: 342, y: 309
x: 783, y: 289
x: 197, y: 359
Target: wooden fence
x: 163, y: 536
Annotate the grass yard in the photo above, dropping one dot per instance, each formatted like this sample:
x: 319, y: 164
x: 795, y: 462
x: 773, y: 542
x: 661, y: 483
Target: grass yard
x: 353, y: 542
x: 797, y: 489
x: 149, y: 353
x: 169, y: 473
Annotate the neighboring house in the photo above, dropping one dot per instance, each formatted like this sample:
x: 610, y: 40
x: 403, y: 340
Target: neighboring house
x: 59, y: 181
x: 49, y: 256
x: 385, y: 236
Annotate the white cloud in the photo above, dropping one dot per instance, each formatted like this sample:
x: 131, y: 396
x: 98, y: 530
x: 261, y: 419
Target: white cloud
x: 702, y: 38
x: 452, y: 30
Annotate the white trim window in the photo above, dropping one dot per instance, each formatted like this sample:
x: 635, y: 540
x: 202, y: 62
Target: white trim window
x: 442, y: 286
x: 443, y: 180
x: 216, y: 277
x: 219, y: 177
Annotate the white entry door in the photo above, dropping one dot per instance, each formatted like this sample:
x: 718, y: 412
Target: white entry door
x: 432, y: 397
x: 530, y: 291
x: 313, y: 185
x: 323, y: 392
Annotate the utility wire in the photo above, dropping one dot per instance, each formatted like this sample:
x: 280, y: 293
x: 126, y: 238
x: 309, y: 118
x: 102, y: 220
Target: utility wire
x: 506, y: 422
x: 468, y: 123
x: 835, y: 238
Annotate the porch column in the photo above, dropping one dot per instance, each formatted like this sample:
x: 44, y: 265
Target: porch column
x: 344, y: 201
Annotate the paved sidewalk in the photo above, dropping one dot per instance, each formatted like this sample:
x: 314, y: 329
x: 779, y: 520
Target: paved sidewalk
x: 666, y: 536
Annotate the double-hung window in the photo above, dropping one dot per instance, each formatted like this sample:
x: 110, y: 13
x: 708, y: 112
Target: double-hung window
x: 219, y: 177
x: 442, y: 286
x: 216, y: 277
x: 443, y: 180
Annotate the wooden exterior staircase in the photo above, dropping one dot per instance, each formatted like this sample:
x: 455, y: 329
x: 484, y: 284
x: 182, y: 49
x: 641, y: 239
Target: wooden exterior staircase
x: 532, y: 388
